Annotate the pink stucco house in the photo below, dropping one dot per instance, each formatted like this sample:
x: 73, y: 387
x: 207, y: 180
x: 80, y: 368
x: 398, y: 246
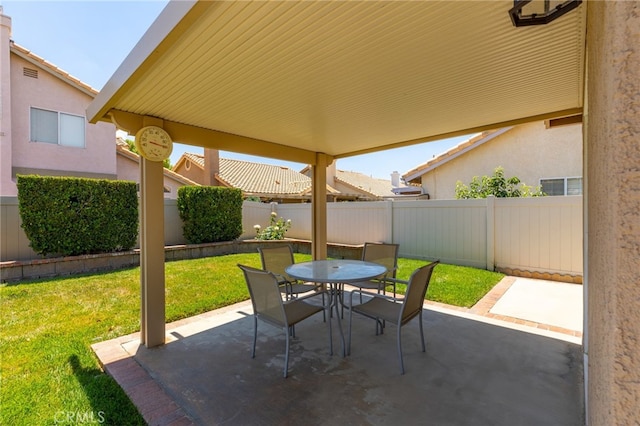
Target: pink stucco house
x: 43, y: 125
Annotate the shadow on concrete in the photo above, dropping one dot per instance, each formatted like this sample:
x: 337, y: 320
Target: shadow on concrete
x: 473, y: 373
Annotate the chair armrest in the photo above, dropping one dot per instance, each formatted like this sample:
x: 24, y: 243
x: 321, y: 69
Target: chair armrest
x: 397, y: 281
x: 370, y: 294
x: 308, y: 296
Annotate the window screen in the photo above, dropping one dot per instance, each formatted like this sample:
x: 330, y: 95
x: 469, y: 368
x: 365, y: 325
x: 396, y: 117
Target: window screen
x: 552, y: 186
x: 71, y: 130
x: 57, y: 128
x: 574, y: 186
x: 44, y: 126
x: 562, y: 186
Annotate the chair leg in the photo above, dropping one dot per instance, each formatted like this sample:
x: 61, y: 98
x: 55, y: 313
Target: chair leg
x: 324, y: 313
x: 286, y: 354
x: 424, y: 349
x: 255, y: 336
x: 400, y: 349
x: 330, y: 334
x: 349, y: 333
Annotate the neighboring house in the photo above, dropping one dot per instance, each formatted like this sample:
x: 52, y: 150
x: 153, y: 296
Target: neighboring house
x: 537, y: 153
x: 268, y: 182
x: 360, y: 187
x: 128, y: 164
x: 43, y: 128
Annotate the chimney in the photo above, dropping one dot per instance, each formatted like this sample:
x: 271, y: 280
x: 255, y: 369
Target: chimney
x: 395, y: 179
x: 211, y: 166
x: 331, y: 173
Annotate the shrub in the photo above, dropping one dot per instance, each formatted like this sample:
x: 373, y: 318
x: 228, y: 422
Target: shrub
x: 210, y: 213
x: 72, y: 216
x: 497, y: 185
x: 276, y: 229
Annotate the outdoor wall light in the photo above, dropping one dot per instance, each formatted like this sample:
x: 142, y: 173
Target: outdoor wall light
x: 539, y: 12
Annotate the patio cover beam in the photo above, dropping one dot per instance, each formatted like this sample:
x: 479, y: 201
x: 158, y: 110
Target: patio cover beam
x: 208, y: 138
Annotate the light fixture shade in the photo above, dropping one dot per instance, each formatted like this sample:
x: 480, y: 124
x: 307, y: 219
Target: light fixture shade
x: 539, y: 12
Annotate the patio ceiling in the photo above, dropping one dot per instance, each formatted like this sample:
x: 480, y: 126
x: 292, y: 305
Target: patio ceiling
x: 343, y: 78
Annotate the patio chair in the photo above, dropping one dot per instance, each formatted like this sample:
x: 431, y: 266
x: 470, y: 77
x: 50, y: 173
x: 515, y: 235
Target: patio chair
x: 269, y: 307
x: 384, y: 308
x: 275, y: 260
x: 386, y: 255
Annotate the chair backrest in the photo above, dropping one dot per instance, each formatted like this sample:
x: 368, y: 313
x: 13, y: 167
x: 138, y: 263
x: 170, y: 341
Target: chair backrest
x: 384, y: 254
x: 416, y: 291
x: 265, y: 295
x: 276, y: 259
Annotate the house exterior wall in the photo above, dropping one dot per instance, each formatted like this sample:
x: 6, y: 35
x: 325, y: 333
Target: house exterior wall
x: 612, y: 254
x: 129, y: 169
x: 97, y: 159
x: 194, y: 172
x: 6, y: 184
x: 528, y: 151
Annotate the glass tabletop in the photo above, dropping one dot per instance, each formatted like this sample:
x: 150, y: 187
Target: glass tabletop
x: 335, y: 271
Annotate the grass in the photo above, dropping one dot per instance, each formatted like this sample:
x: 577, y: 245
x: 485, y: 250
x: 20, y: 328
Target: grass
x: 49, y: 375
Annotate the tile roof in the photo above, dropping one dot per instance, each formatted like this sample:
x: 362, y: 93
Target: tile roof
x: 361, y: 182
x: 259, y: 178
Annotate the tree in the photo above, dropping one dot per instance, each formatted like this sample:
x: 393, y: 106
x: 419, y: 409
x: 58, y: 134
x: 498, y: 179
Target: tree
x: 166, y: 163
x: 496, y: 185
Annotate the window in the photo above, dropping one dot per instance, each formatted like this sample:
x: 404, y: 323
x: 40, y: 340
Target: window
x: 57, y: 128
x: 562, y: 186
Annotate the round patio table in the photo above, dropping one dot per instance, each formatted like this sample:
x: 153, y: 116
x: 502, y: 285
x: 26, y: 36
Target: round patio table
x: 335, y: 273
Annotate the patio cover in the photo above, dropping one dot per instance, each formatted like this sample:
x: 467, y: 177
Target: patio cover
x: 314, y: 81
x: 345, y: 78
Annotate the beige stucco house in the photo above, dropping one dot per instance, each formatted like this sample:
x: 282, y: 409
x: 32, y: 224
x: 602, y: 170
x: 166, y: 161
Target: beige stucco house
x: 539, y: 153
x: 43, y: 125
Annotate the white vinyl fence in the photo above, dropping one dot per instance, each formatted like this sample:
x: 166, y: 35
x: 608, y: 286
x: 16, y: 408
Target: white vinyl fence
x: 532, y: 234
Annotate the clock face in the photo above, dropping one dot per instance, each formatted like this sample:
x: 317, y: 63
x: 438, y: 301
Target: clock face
x: 154, y: 143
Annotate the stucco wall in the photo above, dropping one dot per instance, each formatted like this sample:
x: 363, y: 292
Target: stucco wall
x: 195, y: 173
x: 129, y: 169
x: 6, y: 185
x: 613, y: 214
x: 97, y: 159
x: 529, y: 151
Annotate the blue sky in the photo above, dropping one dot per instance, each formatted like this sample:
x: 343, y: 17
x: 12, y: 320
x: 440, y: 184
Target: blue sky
x: 90, y: 39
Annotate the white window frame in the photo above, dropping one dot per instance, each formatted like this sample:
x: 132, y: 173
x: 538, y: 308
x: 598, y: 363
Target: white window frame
x: 566, y: 182
x: 60, y: 140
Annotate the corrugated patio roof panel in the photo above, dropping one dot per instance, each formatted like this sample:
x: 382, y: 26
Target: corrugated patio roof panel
x: 346, y: 77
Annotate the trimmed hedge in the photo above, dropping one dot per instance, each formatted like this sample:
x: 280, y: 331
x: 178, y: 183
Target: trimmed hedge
x: 73, y: 216
x: 210, y: 214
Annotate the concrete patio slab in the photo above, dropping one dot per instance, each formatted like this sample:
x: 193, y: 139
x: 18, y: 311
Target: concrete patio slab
x: 476, y: 371
x: 545, y: 302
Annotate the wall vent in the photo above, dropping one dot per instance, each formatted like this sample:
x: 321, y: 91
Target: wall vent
x: 28, y: 72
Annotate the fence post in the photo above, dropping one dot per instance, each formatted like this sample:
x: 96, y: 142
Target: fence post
x: 390, y: 233
x: 491, y: 220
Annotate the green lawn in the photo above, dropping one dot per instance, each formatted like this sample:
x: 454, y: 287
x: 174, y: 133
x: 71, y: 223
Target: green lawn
x: 49, y: 375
